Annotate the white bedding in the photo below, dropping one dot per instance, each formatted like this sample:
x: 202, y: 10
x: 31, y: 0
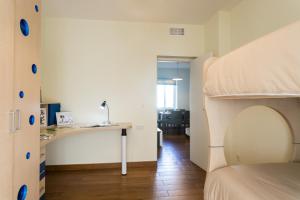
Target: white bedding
x: 254, y: 182
x: 267, y: 67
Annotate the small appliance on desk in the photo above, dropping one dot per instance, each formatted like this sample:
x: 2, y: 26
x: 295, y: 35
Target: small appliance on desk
x: 64, y: 119
x: 48, y: 114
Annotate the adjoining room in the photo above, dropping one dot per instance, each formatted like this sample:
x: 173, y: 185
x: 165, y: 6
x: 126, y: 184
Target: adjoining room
x: 173, y: 97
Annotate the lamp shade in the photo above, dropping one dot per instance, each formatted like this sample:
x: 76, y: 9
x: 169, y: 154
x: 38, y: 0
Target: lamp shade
x: 103, y: 105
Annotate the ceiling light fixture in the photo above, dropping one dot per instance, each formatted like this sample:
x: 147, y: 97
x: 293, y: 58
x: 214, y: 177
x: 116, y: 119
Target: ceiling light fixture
x: 177, y: 78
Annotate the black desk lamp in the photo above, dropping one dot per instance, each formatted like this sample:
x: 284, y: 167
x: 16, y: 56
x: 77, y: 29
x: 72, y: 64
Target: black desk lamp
x: 103, y: 106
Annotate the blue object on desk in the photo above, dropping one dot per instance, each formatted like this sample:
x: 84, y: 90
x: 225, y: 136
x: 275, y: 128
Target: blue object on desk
x: 53, y: 108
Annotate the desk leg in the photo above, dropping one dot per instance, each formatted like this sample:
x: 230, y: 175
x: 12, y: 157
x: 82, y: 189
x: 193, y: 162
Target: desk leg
x: 123, y: 153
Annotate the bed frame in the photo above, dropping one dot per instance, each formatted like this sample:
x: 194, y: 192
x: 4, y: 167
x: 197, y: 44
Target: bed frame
x: 264, y: 72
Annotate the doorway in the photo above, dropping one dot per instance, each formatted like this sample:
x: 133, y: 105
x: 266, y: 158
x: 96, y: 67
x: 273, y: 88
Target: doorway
x: 173, y: 109
x: 181, y: 113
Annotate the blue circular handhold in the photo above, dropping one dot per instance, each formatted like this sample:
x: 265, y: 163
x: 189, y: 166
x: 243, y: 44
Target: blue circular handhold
x: 22, y: 194
x: 21, y: 94
x: 24, y: 27
x: 28, y: 155
x: 36, y: 7
x: 31, y: 120
x: 34, y: 68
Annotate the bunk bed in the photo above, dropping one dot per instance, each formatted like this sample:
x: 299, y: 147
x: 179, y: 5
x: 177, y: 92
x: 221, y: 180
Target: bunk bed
x: 253, y: 111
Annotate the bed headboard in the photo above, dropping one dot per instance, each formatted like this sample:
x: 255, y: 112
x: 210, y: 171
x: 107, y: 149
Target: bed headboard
x: 258, y: 134
x: 279, y: 143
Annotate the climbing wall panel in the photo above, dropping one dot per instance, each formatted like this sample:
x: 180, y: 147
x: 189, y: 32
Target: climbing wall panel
x: 27, y: 99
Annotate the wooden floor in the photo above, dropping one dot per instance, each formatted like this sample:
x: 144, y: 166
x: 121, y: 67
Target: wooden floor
x: 175, y: 178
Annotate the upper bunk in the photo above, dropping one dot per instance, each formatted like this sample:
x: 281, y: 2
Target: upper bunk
x: 266, y: 68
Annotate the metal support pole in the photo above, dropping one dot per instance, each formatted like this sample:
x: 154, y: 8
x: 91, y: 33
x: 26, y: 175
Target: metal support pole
x: 123, y: 152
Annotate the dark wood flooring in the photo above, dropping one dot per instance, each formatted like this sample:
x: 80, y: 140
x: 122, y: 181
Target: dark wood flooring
x: 175, y: 177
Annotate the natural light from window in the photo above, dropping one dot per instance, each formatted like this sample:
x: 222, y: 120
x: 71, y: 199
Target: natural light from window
x: 166, y: 95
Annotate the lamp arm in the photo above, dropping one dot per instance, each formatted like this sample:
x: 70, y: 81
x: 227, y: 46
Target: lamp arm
x: 107, y: 113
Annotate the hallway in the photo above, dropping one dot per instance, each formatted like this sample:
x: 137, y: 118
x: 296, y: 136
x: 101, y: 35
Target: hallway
x: 175, y: 178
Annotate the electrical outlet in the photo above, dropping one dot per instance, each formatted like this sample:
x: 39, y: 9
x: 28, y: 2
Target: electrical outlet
x: 139, y: 127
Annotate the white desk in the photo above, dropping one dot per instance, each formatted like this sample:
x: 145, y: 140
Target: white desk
x: 58, y: 133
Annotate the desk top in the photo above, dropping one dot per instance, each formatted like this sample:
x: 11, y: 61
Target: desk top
x: 57, y: 133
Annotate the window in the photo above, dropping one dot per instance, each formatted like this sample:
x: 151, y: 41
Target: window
x: 166, y: 96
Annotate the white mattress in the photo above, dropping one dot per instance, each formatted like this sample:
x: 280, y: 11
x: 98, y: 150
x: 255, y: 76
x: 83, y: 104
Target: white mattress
x: 268, y: 67
x: 254, y: 182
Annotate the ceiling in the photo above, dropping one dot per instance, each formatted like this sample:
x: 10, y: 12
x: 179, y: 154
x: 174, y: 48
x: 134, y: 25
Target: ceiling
x: 161, y: 11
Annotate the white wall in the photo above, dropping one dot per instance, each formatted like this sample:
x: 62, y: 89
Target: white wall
x: 87, y: 61
x: 251, y: 19
x: 211, y: 31
x: 183, y: 87
x: 217, y: 33
x: 246, y: 21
